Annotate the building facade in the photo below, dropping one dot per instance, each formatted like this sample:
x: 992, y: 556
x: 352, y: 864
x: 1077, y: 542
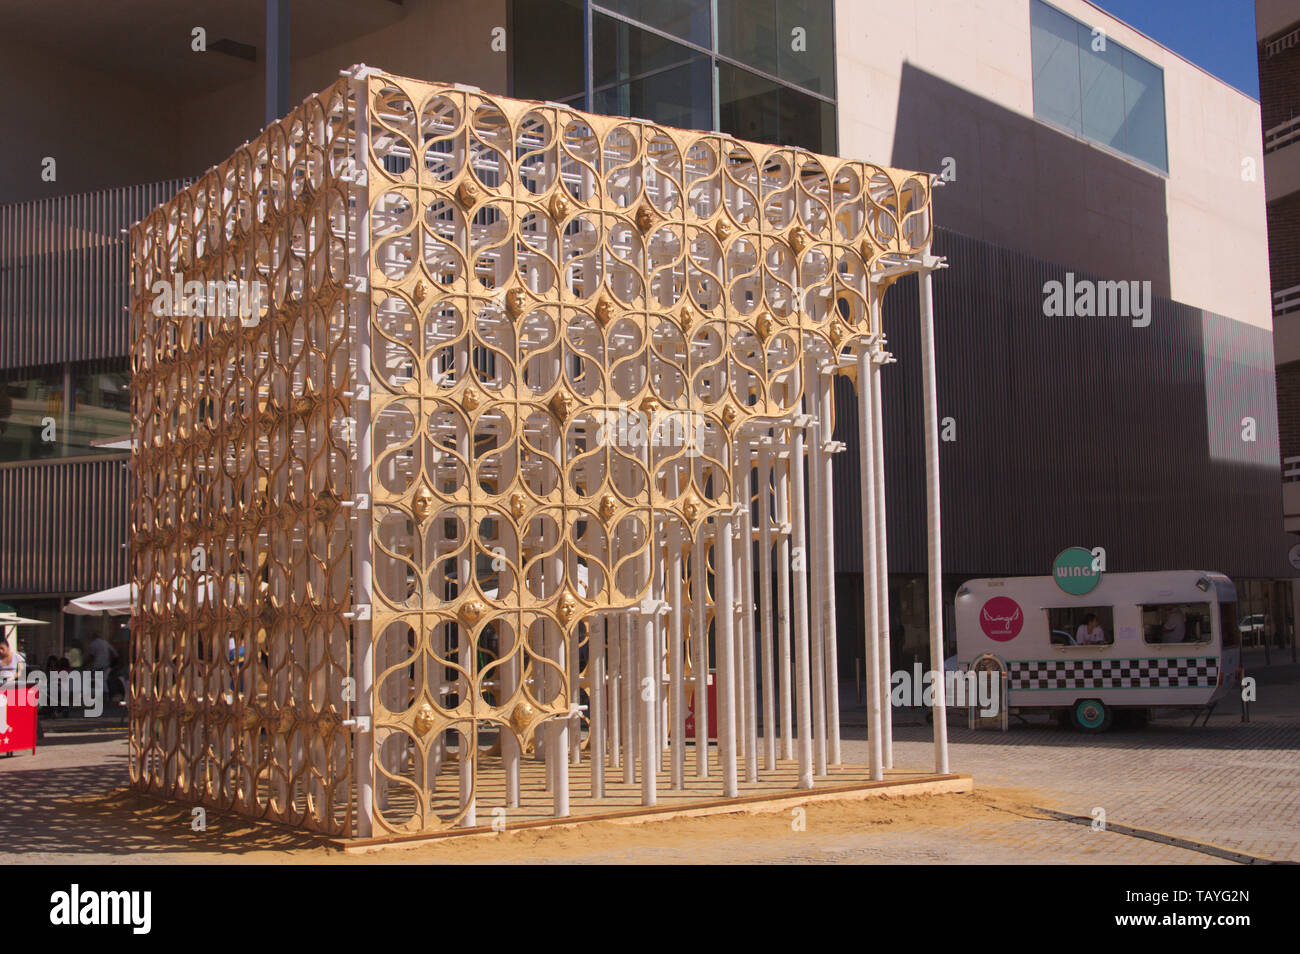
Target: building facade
x: 1105, y: 334
x: 1277, y: 25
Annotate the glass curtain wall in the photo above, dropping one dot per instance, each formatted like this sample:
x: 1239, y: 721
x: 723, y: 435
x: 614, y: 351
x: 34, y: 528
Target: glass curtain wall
x: 762, y: 70
x: 45, y: 413
x: 1098, y: 89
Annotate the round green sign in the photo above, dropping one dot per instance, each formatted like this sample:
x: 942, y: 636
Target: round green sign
x: 1072, y: 570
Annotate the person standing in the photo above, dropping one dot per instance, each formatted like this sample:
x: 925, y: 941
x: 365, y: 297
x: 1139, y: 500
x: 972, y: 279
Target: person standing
x: 100, y: 656
x: 13, y: 667
x: 1174, y: 628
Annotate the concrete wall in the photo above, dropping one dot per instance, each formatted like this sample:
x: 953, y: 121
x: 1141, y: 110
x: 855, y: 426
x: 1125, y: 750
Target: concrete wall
x: 446, y: 40
x: 1071, y: 431
x: 1273, y: 16
x: 101, y: 129
x: 955, y: 79
x: 110, y: 129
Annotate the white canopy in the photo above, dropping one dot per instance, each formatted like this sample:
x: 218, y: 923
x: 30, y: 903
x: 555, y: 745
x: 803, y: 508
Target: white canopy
x: 115, y: 602
x: 13, y: 619
x: 119, y: 600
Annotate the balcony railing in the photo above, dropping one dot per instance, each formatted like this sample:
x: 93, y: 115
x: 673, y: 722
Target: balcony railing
x: 1286, y: 301
x: 1283, y: 134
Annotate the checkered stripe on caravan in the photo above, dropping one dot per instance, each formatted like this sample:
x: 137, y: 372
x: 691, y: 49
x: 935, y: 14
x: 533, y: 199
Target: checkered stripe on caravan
x: 1167, y: 673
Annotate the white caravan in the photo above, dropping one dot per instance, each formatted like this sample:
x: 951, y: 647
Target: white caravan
x: 1137, y: 641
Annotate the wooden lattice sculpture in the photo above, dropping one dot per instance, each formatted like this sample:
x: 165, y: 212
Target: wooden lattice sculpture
x: 461, y: 492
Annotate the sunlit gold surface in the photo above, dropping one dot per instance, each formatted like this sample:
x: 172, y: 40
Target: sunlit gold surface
x: 533, y: 273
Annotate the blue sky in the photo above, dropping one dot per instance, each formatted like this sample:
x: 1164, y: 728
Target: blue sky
x: 1216, y: 35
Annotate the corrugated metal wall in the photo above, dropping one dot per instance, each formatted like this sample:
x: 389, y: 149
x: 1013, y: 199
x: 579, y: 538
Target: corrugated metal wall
x: 63, y: 526
x: 1072, y: 431
x: 64, y: 288
x: 64, y: 282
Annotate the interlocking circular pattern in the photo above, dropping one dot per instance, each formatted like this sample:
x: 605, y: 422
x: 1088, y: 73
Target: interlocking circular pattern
x: 240, y: 550
x: 537, y: 273
x: 536, y: 279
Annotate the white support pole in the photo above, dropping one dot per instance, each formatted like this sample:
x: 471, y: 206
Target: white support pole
x: 659, y: 558
x: 738, y: 650
x: 363, y: 671
x: 765, y: 600
x: 557, y: 739
x: 510, y: 749
x: 676, y: 657
x: 699, y: 620
x: 509, y: 675
x: 614, y: 650
x: 649, y: 687
x: 799, y: 560
x: 724, y: 611
x: 831, y: 670
x: 745, y: 632
x: 557, y: 753
x: 574, y: 722
x: 465, y: 656
x: 870, y: 597
x: 783, y: 596
x: 629, y: 695
x: 882, y: 555
x: 649, y: 709
x: 596, y: 696
x: 934, y: 537
x: 817, y: 570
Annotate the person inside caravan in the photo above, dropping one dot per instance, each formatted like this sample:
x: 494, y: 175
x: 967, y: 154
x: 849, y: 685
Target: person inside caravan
x: 1173, y: 627
x: 1090, y: 632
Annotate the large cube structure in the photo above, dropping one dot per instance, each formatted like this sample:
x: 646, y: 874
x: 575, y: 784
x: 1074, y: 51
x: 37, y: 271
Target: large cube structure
x: 471, y: 439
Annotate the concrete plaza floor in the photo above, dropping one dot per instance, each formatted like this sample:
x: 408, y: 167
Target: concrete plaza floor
x: 1228, y: 787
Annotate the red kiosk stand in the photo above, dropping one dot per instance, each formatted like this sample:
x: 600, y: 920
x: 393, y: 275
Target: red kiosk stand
x: 18, y: 719
x: 713, y: 710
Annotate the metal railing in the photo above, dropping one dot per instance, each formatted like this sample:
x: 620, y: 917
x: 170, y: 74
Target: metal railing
x: 63, y: 526
x: 1286, y: 301
x: 1280, y: 44
x: 1283, y: 134
x: 1290, y: 469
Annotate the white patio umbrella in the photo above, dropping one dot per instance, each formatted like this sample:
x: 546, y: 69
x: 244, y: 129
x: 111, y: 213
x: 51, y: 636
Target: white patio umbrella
x: 13, y: 619
x: 115, y: 602
x: 118, y: 600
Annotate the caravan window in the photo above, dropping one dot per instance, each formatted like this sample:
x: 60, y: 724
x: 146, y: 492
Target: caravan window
x: 1176, y: 623
x: 1228, y: 624
x: 1081, y: 625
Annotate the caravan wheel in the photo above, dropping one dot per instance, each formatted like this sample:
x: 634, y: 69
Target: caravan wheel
x: 1091, y: 715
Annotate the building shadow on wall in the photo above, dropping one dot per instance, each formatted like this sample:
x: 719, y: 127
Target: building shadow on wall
x: 1028, y: 186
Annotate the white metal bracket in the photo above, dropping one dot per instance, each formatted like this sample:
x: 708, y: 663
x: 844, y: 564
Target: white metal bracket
x: 359, y: 724
x: 653, y: 607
